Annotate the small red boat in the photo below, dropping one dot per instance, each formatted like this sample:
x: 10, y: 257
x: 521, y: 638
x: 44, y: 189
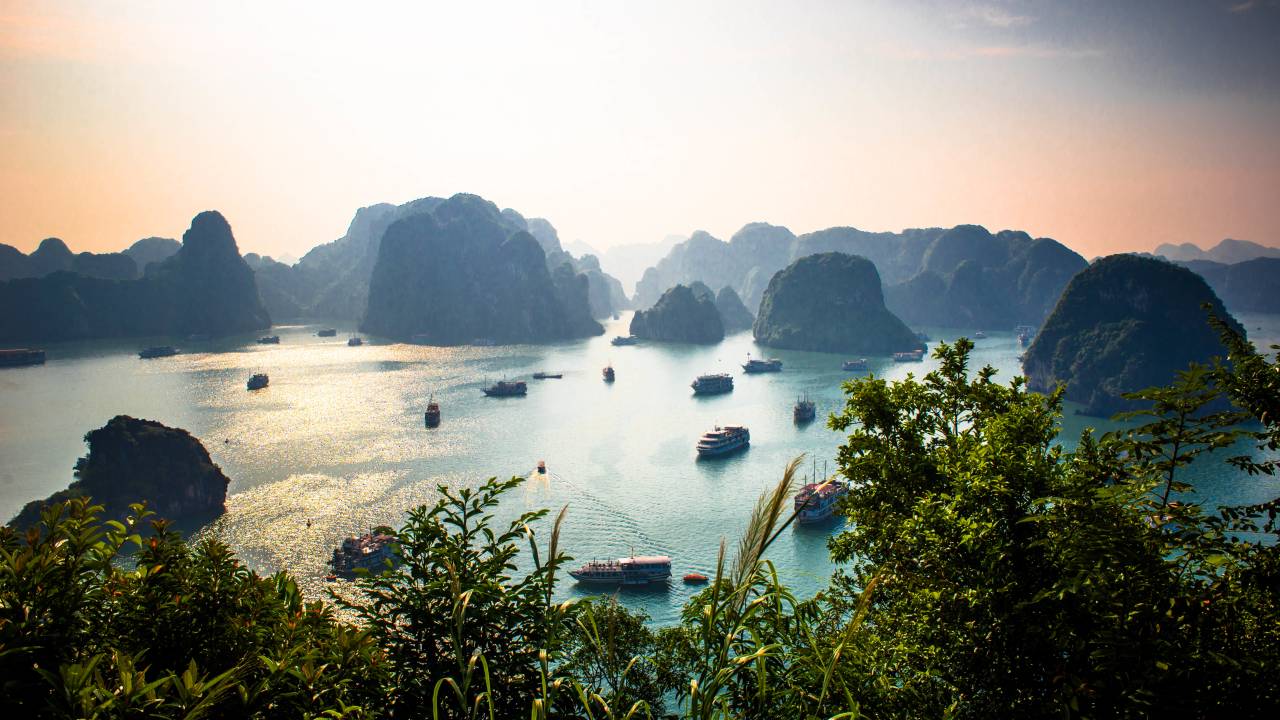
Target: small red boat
x: 695, y: 578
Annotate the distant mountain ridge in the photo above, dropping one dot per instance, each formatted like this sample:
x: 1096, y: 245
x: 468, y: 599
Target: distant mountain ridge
x: 332, y: 280
x: 959, y: 277
x: 1227, y: 252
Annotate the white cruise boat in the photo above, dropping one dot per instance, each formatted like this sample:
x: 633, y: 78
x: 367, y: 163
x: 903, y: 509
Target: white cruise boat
x: 723, y: 440
x: 634, y: 570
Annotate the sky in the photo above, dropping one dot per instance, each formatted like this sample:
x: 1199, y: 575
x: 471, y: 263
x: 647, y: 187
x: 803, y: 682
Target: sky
x: 1110, y: 126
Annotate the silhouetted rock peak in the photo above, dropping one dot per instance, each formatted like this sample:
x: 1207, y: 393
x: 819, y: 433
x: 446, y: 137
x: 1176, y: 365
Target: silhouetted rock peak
x: 132, y: 460
x: 1123, y: 324
x: 830, y: 302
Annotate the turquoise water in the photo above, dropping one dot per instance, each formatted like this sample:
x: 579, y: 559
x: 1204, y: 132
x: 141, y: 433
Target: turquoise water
x: 338, y: 438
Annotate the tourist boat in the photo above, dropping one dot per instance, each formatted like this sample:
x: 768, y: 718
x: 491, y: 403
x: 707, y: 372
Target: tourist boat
x: 804, y: 411
x: 755, y: 365
x: 542, y: 467
x: 817, y: 501
x: 627, y: 340
x: 370, y: 551
x: 17, y: 357
x: 355, y: 341
x: 327, y: 332
x: 547, y: 376
x: 979, y: 335
x: 504, y: 388
x: 859, y: 364
x: 1025, y: 333
x: 608, y: 373
x: 694, y: 578
x: 723, y: 440
x: 910, y: 356
x: 158, y: 351
x: 634, y: 570
x: 712, y: 384
x: 257, y: 381
x: 432, y: 415
x: 269, y: 340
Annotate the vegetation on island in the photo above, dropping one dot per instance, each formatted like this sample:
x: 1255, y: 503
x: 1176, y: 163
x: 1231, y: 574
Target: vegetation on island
x: 1125, y: 323
x: 684, y: 313
x: 132, y: 460
x: 830, y: 302
x: 985, y: 571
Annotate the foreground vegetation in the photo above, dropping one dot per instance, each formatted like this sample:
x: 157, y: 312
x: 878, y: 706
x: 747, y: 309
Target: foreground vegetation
x: 985, y: 571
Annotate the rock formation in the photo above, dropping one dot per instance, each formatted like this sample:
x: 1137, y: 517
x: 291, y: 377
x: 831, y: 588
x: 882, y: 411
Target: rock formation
x: 682, y: 314
x: 132, y: 461
x: 830, y: 302
x: 1124, y: 324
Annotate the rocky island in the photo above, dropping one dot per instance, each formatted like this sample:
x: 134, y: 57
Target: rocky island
x: 830, y: 302
x: 1124, y: 324
x: 683, y: 314
x: 132, y: 460
x: 204, y: 288
x: 463, y: 272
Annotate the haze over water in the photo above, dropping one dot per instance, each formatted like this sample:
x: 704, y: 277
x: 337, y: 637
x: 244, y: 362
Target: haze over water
x: 338, y: 439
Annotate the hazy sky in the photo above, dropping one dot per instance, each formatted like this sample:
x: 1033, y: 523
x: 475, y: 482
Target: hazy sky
x: 1107, y: 125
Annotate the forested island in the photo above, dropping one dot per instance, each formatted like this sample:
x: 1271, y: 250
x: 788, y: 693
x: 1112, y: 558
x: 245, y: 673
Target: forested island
x: 831, y: 302
x: 1124, y: 324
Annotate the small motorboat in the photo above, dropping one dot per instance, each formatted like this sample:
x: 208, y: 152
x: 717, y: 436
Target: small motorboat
x: 547, y: 376
x: 694, y: 578
x: 269, y: 340
x: 327, y: 332
x: 608, y: 373
x: 355, y: 341
x: 258, y: 381
x: 432, y: 415
x: 542, y: 467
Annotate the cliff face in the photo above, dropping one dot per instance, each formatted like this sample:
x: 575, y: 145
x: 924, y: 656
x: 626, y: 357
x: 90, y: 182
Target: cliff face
x: 205, y: 287
x: 733, y: 313
x: 459, y: 274
x: 133, y: 460
x: 682, y: 314
x: 830, y: 302
x: 213, y: 289
x: 1125, y: 323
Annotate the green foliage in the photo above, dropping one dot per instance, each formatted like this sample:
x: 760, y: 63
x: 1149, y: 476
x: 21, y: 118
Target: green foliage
x: 463, y: 630
x: 1017, y: 579
x: 187, y: 633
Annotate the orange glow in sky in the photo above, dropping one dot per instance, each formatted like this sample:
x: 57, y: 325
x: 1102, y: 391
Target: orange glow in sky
x: 626, y: 122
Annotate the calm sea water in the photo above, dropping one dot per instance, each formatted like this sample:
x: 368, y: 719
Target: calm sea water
x: 338, y: 439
